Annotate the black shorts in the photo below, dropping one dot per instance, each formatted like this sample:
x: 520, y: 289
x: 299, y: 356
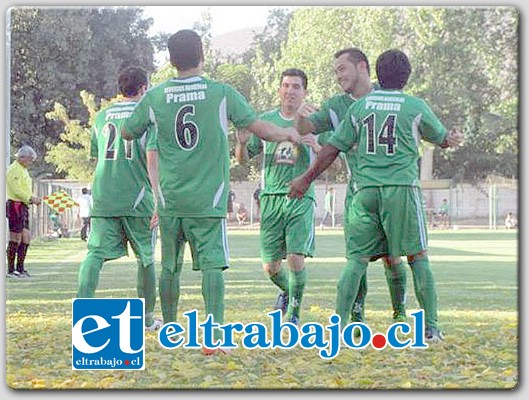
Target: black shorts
x: 18, y: 215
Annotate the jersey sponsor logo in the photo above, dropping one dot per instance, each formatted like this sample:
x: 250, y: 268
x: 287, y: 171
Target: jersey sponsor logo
x: 184, y: 97
x: 379, y: 106
x: 286, y: 153
x: 108, y: 334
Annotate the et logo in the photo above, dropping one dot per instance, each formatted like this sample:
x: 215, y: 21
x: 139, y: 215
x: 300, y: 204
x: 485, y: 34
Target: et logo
x: 108, y: 334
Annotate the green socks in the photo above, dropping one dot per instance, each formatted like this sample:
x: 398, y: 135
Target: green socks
x: 396, y: 279
x: 281, y: 279
x: 348, y: 286
x: 146, y: 288
x: 88, y: 277
x: 358, y: 310
x: 296, y: 287
x: 425, y: 289
x: 169, y: 293
x: 213, y: 293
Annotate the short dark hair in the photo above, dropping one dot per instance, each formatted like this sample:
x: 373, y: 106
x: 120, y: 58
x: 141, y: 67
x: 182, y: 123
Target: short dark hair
x: 185, y: 49
x: 296, y: 72
x: 393, y: 69
x: 354, y: 55
x: 84, y: 190
x: 131, y: 80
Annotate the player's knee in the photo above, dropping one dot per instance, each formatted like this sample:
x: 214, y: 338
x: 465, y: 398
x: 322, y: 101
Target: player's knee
x: 296, y: 262
x: 417, y: 257
x: 357, y: 265
x: 271, y: 268
x: 390, y: 261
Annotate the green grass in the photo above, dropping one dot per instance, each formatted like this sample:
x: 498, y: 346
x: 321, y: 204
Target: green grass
x: 477, y: 281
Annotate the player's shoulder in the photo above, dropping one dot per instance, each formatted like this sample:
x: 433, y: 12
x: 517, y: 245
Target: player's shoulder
x: 337, y: 98
x: 270, y: 114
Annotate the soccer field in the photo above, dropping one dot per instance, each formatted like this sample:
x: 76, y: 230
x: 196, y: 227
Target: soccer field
x: 477, y: 280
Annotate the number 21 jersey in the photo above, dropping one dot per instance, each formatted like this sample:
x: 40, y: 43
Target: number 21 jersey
x: 121, y: 184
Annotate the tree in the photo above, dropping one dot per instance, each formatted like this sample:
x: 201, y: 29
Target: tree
x: 58, y: 52
x: 464, y: 64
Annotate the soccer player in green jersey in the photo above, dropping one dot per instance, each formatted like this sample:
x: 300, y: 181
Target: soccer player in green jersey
x: 351, y: 68
x: 190, y: 115
x: 287, y: 225
x: 123, y: 201
x: 386, y: 213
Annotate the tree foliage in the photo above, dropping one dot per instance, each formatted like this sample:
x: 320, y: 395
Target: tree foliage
x: 55, y: 53
x: 465, y: 65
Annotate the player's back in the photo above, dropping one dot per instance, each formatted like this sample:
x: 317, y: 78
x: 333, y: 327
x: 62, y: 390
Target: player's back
x: 191, y: 116
x: 389, y: 126
x: 121, y: 185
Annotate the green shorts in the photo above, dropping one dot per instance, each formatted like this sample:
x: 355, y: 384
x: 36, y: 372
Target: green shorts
x: 109, y: 236
x: 207, y: 240
x: 385, y: 220
x: 287, y: 227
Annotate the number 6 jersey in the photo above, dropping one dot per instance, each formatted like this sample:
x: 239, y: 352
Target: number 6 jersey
x: 190, y: 117
x: 121, y: 184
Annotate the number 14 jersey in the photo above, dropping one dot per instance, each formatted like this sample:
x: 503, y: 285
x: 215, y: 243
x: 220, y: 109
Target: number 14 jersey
x: 385, y: 127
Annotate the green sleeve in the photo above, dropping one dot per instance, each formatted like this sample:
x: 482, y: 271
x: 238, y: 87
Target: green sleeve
x: 323, y: 138
x: 240, y: 112
x: 321, y: 119
x: 139, y: 121
x: 430, y: 127
x: 346, y: 135
x: 152, y: 140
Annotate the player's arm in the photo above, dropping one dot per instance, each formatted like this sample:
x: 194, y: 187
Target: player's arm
x: 432, y: 129
x: 342, y: 140
x: 138, y: 122
x: 241, y: 149
x: 273, y: 133
x: 325, y: 158
x: 453, y: 138
x: 302, y: 123
x: 152, y: 170
x: 311, y: 140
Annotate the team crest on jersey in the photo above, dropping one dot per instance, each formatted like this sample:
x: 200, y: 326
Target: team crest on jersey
x: 286, y: 153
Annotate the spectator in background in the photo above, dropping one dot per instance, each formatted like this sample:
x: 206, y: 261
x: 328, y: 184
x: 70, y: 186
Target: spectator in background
x: 329, y: 204
x: 510, y: 221
x: 242, y: 214
x: 444, y: 214
x: 83, y: 212
x: 56, y: 225
x: 231, y: 200
x: 257, y: 198
x: 19, y: 196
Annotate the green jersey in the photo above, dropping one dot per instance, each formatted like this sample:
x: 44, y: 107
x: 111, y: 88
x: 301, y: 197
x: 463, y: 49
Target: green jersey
x: 328, y: 118
x: 385, y: 128
x: 121, y: 184
x: 190, y: 117
x: 282, y: 161
x: 332, y: 112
